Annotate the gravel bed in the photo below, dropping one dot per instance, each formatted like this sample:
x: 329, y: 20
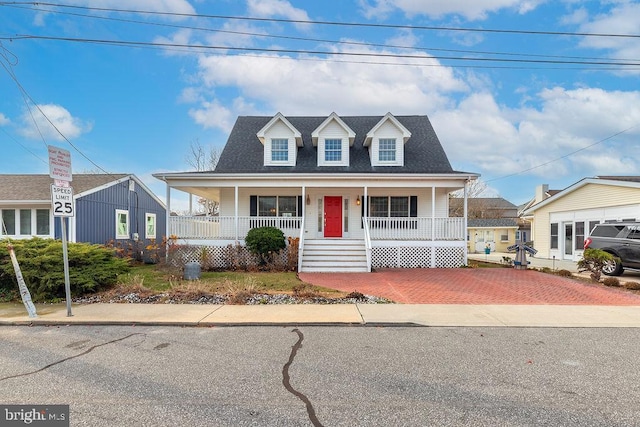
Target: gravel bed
x: 253, y: 299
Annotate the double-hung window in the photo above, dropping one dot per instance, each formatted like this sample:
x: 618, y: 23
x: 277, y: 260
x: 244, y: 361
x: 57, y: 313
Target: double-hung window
x: 122, y: 224
x: 333, y: 150
x: 554, y: 236
x: 150, y: 226
x: 279, y: 150
x: 387, y: 150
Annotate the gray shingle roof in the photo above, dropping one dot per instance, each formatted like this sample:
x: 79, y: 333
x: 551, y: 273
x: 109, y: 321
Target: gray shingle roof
x: 492, y: 223
x: 38, y: 187
x: 244, y: 153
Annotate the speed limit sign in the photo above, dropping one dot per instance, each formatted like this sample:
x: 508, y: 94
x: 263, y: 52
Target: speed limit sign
x: 62, y: 201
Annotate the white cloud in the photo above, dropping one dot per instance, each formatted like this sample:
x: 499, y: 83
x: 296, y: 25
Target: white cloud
x: 471, y: 10
x: 501, y: 141
x: 171, y: 6
x: 622, y: 18
x: 273, y: 8
x: 58, y: 116
x: 312, y: 86
x: 4, y: 120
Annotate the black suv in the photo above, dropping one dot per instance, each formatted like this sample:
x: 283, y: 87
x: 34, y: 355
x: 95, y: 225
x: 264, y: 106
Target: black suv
x: 621, y: 239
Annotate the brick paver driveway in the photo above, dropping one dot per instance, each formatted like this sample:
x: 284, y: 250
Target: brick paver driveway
x: 473, y: 286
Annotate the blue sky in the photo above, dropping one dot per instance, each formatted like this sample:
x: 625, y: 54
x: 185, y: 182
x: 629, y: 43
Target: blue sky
x: 136, y: 109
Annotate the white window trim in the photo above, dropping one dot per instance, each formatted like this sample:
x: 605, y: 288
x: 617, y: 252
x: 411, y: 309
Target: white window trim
x: 148, y: 215
x: 126, y: 213
x: 344, y: 150
x: 291, y: 152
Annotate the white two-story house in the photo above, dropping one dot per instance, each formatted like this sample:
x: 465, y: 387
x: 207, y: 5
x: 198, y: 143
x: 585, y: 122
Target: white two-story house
x: 360, y: 192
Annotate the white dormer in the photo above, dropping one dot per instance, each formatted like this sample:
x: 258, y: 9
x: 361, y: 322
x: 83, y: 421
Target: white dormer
x: 333, y: 139
x: 386, y: 142
x: 281, y: 141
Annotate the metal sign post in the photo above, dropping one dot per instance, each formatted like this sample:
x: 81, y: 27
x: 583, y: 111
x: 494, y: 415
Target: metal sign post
x: 62, y: 204
x: 24, y: 291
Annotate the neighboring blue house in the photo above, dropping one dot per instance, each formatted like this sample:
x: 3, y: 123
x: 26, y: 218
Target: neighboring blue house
x: 108, y: 207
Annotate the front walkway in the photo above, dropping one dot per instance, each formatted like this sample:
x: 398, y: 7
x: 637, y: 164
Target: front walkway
x: 474, y: 286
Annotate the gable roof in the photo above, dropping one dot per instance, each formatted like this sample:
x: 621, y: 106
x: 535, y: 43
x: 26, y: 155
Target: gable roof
x: 620, y: 181
x: 343, y: 125
x: 406, y: 134
x: 244, y: 153
x: 482, y: 202
x: 37, y: 187
x: 280, y: 118
x: 492, y: 223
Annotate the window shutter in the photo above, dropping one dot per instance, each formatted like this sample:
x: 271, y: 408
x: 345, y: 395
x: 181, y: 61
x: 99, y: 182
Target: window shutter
x: 299, y: 205
x: 253, y: 205
x: 413, y: 206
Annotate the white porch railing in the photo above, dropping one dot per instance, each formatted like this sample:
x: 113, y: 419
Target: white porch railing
x: 223, y: 227
x: 367, y: 242
x: 416, y: 228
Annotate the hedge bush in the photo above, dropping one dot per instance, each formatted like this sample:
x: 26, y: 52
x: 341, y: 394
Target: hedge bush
x: 91, y: 267
x: 264, y: 241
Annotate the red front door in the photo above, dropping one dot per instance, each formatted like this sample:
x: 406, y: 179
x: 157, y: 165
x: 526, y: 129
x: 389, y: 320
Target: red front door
x: 332, y: 216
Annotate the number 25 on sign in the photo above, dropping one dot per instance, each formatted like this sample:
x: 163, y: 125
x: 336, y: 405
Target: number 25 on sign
x: 62, y: 201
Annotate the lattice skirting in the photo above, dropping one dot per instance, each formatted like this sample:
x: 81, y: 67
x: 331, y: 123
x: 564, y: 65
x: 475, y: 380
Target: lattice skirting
x: 417, y: 257
x: 230, y: 257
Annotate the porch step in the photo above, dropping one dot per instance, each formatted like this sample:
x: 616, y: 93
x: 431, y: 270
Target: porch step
x: 334, y: 256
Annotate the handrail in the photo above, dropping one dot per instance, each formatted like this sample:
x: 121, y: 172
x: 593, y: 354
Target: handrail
x: 367, y: 241
x: 301, y: 245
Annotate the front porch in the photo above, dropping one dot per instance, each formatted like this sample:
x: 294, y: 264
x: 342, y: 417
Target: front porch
x: 385, y: 243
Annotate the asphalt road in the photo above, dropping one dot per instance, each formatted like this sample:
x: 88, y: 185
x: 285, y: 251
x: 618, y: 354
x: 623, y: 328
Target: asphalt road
x: 331, y: 376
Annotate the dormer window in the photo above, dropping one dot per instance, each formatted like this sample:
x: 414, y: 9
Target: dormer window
x: 387, y: 150
x: 332, y: 150
x: 279, y: 150
x: 333, y: 138
x: 281, y: 141
x: 386, y: 142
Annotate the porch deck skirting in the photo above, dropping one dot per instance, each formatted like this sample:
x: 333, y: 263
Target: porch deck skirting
x: 438, y: 254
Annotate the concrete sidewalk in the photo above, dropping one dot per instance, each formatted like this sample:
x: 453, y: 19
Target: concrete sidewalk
x: 336, y: 314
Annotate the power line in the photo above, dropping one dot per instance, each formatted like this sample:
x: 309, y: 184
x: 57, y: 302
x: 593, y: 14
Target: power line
x: 332, y: 23
x: 295, y: 38
x: 317, y: 52
x: 565, y: 156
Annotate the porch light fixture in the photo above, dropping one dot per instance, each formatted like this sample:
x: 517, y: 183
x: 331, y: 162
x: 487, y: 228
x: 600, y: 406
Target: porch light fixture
x: 358, y: 200
x: 308, y: 200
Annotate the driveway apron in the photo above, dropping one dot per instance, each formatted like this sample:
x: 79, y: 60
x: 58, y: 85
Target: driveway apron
x: 473, y: 286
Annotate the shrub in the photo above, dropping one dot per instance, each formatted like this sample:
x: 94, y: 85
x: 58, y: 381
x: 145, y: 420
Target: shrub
x: 564, y: 273
x: 611, y: 281
x: 265, y: 241
x: 594, y: 260
x: 91, y: 267
x: 634, y: 286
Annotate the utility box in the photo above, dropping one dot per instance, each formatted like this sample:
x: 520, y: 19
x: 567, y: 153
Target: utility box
x: 192, y: 271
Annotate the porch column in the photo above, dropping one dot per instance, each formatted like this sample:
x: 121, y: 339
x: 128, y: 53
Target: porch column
x: 304, y: 205
x: 190, y: 204
x: 465, y: 223
x: 433, y: 227
x: 167, y: 217
x: 366, y: 205
x: 236, y: 221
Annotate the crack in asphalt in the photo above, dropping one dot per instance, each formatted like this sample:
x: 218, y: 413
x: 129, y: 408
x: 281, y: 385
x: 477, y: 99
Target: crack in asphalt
x: 89, y: 350
x: 287, y: 383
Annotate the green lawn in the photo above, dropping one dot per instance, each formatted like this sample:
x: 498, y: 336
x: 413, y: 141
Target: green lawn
x: 156, y: 279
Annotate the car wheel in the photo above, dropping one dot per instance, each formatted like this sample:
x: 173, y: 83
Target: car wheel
x: 612, y: 268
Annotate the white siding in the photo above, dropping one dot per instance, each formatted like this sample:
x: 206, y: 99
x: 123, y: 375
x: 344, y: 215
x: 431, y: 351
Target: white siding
x: 333, y: 131
x: 592, y: 202
x: 387, y: 130
x: 277, y: 131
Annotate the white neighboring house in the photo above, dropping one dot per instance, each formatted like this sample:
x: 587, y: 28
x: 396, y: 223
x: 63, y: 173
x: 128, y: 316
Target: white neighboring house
x: 562, y: 221
x: 360, y: 192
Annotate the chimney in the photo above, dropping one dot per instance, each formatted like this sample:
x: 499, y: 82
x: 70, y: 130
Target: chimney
x: 541, y: 192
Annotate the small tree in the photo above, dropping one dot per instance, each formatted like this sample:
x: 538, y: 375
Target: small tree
x: 594, y: 260
x: 264, y: 242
